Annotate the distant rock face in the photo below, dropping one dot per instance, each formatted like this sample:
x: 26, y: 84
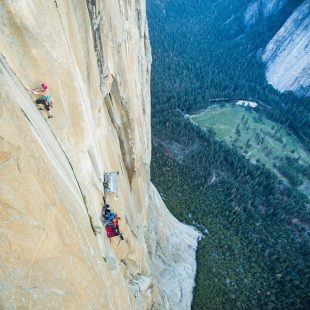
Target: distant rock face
x: 261, y: 9
x: 287, y: 55
x: 95, y: 57
x: 270, y: 7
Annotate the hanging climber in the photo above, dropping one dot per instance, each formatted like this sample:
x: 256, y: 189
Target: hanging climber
x: 112, y: 229
x: 45, y: 100
x: 111, y: 222
x: 115, y: 224
x: 115, y: 220
x: 107, y: 214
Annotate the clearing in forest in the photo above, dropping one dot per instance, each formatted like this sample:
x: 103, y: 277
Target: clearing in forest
x: 259, y: 139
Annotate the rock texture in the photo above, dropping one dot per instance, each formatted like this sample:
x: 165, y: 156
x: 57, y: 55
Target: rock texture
x: 287, y: 55
x: 173, y: 262
x: 95, y: 56
x: 258, y: 9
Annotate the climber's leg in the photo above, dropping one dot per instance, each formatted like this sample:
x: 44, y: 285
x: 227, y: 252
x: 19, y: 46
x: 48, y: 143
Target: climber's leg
x: 40, y: 103
x: 48, y: 109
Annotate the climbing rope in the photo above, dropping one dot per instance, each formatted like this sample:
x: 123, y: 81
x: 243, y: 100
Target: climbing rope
x: 82, y: 94
x: 73, y: 63
x: 74, y: 66
x: 83, y: 99
x: 70, y: 51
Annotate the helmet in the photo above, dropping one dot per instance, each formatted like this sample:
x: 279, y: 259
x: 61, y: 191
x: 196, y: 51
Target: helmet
x: 44, y: 86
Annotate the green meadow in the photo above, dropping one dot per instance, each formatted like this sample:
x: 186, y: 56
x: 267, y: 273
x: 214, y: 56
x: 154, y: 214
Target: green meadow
x: 260, y: 140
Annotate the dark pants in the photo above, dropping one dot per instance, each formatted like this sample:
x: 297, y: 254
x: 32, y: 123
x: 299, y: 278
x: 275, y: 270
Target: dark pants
x: 43, y: 101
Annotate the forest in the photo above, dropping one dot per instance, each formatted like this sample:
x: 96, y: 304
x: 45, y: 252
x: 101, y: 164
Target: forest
x: 204, y: 53
x: 255, y: 253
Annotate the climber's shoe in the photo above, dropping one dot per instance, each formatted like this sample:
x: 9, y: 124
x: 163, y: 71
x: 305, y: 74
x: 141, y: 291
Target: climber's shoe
x: 50, y: 116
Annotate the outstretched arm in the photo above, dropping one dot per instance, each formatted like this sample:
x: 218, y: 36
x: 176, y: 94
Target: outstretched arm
x: 37, y: 92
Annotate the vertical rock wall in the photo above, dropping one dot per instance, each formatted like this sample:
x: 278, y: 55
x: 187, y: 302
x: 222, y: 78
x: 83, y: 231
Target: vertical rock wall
x: 95, y: 57
x: 287, y: 55
x: 261, y: 9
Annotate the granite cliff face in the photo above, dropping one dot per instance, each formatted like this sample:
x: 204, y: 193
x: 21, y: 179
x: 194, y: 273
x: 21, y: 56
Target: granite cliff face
x: 95, y: 56
x: 287, y: 55
x: 258, y: 9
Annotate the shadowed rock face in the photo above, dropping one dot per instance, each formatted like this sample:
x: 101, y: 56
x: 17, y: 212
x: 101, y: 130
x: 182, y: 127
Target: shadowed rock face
x: 95, y: 57
x: 287, y: 56
x: 258, y: 9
